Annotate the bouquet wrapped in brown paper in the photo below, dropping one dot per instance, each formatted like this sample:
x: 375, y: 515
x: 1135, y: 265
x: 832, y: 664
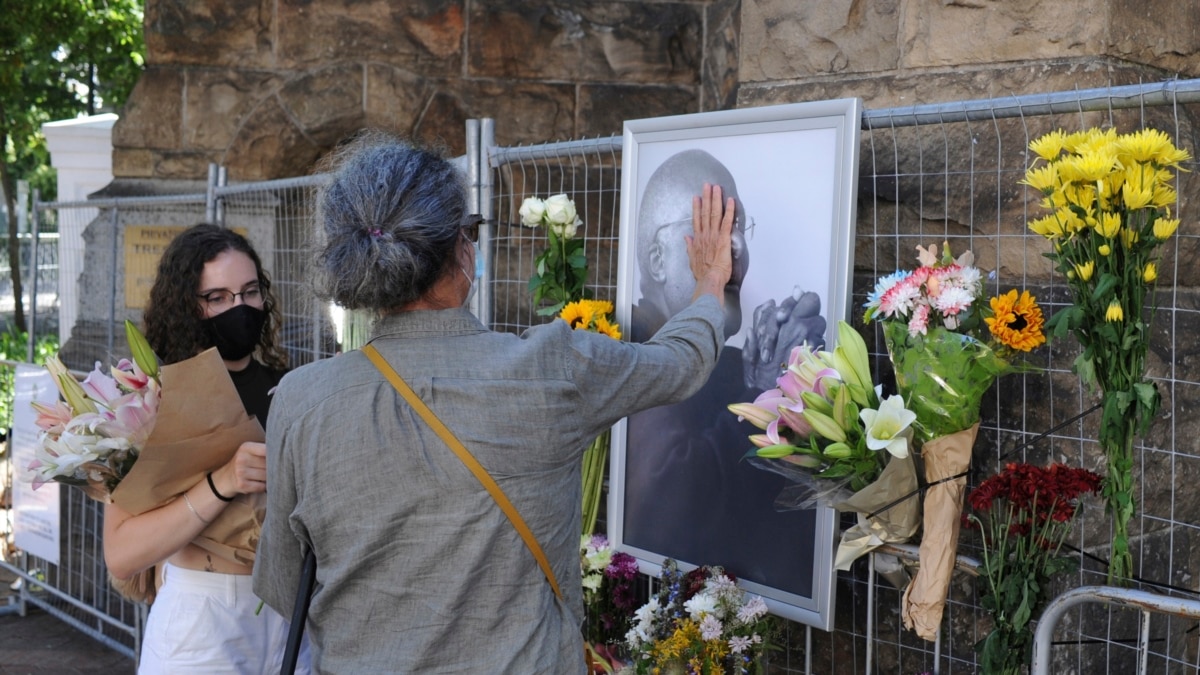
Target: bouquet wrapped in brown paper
x: 945, y: 360
x: 140, y: 436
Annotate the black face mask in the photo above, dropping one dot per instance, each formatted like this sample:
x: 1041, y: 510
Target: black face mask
x: 236, y: 332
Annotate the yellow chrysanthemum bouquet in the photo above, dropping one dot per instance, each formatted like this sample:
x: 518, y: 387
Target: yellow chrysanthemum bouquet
x: 1109, y: 199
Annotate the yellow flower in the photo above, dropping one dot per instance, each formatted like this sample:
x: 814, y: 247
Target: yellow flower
x: 1128, y: 237
x: 1043, y: 179
x: 1114, y: 312
x: 576, y: 315
x: 1173, y: 157
x: 1145, y: 145
x: 1109, y: 225
x: 1137, y: 191
x: 1084, y: 271
x: 1164, y: 195
x: 1049, y: 147
x: 1047, y: 226
x: 1104, y: 249
x: 591, y: 315
x: 1088, y: 167
x: 1150, y: 273
x: 1017, y: 321
x: 1152, y: 145
x: 606, y: 327
x: 1165, y: 227
x: 1082, y: 142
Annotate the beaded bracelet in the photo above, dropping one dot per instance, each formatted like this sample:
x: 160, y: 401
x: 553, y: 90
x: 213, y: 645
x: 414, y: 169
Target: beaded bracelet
x: 213, y: 486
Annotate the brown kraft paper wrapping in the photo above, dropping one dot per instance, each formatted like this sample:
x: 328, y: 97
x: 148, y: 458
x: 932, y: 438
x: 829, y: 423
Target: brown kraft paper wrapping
x: 925, y: 598
x: 199, y: 426
x: 896, y: 485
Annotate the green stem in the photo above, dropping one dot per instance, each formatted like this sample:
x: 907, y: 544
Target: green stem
x: 1116, y: 439
x: 595, y: 459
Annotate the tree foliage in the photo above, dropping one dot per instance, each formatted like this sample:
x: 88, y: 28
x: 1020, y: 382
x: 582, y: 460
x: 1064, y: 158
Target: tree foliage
x: 58, y: 59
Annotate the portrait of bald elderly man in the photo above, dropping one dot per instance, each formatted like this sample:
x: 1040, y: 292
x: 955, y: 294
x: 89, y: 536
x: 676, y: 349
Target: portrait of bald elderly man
x: 688, y: 493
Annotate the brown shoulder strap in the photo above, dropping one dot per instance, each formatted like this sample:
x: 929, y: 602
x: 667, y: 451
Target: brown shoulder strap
x: 467, y: 458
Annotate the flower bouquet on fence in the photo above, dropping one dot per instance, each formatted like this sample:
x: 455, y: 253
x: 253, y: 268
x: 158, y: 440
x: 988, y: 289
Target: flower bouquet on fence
x: 945, y: 360
x: 702, y: 623
x: 609, y: 600
x: 1109, y: 197
x: 595, y: 316
x: 135, y: 438
x: 827, y: 430
x: 561, y: 270
x: 1024, y: 514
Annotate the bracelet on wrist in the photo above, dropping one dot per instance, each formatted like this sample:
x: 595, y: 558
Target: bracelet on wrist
x: 194, y: 511
x: 213, y: 486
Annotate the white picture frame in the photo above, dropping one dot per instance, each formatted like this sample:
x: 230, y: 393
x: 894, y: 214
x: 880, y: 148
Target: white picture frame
x: 796, y: 172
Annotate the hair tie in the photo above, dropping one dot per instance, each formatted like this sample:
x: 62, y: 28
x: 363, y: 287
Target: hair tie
x: 375, y: 232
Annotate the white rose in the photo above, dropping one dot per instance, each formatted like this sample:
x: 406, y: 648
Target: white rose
x: 564, y: 231
x: 532, y: 211
x: 560, y: 210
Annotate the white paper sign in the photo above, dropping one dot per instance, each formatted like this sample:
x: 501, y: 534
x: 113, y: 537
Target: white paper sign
x: 36, y: 523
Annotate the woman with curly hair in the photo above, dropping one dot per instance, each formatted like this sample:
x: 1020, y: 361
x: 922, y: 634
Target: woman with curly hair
x: 210, y: 291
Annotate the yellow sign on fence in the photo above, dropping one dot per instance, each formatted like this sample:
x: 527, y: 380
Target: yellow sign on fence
x: 144, y: 245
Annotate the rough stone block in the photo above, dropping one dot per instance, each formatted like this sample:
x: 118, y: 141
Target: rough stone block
x: 421, y: 35
x: 604, y: 108
x: 184, y: 165
x: 941, y: 33
x: 722, y: 43
x: 524, y: 112
x: 395, y: 97
x: 133, y: 163
x: 270, y: 146
x: 236, y: 33
x: 326, y: 103
x: 153, y: 115
x: 783, y: 39
x: 219, y: 101
x: 587, y: 41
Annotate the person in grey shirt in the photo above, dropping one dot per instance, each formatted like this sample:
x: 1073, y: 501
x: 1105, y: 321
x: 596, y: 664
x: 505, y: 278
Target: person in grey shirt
x: 418, y: 570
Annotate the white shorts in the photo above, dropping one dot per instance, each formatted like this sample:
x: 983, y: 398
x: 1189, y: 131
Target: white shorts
x: 204, y: 622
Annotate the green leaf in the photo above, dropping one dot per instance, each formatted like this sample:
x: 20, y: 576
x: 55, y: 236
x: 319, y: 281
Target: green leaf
x: 1107, y: 282
x: 836, y: 471
x: 551, y: 309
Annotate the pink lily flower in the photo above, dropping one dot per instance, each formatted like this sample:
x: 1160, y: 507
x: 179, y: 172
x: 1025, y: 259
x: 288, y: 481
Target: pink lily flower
x: 101, y: 388
x: 128, y: 375
x: 52, y: 418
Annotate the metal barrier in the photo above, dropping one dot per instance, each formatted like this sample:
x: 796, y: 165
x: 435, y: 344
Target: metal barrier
x: 1141, y: 601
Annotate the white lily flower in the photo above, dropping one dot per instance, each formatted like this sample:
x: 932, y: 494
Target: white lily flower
x: 890, y: 427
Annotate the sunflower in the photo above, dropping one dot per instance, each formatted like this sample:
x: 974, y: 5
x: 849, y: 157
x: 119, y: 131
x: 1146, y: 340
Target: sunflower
x: 576, y: 315
x: 1016, y: 321
x: 591, y: 315
x: 609, y: 328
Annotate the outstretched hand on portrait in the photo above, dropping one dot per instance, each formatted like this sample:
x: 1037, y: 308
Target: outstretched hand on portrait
x: 776, y: 330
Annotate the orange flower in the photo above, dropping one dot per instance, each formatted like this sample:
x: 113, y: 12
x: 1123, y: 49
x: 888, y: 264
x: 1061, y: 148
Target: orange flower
x: 1016, y: 321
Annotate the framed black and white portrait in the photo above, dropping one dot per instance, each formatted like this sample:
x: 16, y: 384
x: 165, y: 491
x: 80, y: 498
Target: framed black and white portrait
x: 679, y: 486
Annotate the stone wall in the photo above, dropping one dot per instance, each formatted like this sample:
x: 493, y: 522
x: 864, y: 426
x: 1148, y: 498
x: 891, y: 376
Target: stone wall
x: 266, y: 88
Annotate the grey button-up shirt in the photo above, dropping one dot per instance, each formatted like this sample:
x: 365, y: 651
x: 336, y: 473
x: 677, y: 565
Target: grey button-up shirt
x: 418, y: 569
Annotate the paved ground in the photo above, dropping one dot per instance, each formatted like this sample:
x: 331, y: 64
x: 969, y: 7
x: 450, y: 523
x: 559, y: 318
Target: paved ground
x: 41, y: 644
